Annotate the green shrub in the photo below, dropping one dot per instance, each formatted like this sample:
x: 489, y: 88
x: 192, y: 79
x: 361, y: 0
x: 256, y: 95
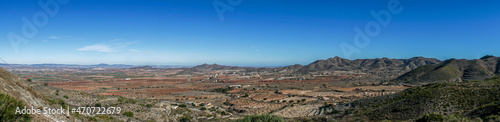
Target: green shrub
x: 455, y: 118
x: 51, y: 101
x: 261, y: 118
x: 8, y: 106
x: 185, y: 119
x: 92, y: 119
x: 431, y: 117
x: 128, y: 114
x: 227, y: 103
x: 61, y: 102
x: 223, y: 90
x: 494, y: 118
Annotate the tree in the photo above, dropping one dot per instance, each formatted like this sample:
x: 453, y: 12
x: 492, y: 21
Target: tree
x: 203, y: 108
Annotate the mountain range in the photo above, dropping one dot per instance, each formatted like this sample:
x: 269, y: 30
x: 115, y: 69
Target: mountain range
x: 337, y: 64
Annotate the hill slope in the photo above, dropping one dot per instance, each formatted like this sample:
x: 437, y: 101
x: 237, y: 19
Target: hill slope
x: 453, y: 70
x: 342, y: 64
x: 18, y: 90
x: 471, y: 99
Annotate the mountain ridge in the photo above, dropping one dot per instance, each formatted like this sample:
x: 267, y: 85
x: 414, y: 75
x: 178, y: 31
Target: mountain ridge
x: 336, y: 64
x: 453, y: 70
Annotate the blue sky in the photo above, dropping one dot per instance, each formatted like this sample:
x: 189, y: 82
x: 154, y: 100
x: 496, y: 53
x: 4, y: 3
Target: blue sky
x: 254, y: 33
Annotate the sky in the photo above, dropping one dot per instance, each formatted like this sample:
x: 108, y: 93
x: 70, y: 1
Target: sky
x: 244, y: 32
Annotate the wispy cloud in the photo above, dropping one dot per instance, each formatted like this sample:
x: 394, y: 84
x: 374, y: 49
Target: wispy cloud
x: 134, y: 50
x: 54, y: 37
x: 110, y: 46
x: 97, y: 48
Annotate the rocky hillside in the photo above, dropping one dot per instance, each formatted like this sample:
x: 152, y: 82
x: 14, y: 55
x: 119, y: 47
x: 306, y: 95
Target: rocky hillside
x: 453, y: 70
x: 470, y: 99
x: 16, y: 88
x: 379, y: 64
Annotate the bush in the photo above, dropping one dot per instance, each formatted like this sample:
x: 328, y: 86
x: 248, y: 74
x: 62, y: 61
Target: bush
x: 61, y: 102
x: 203, y: 108
x: 431, y: 117
x: 183, y: 105
x: 51, y: 101
x: 261, y: 118
x: 494, y: 118
x: 223, y: 90
x: 185, y: 119
x: 227, y: 103
x: 92, y: 119
x: 128, y: 114
x: 8, y: 106
x: 65, y: 96
x: 149, y: 105
x: 455, y: 118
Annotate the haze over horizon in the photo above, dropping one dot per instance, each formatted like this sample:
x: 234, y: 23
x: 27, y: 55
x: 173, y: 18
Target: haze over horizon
x: 255, y: 33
